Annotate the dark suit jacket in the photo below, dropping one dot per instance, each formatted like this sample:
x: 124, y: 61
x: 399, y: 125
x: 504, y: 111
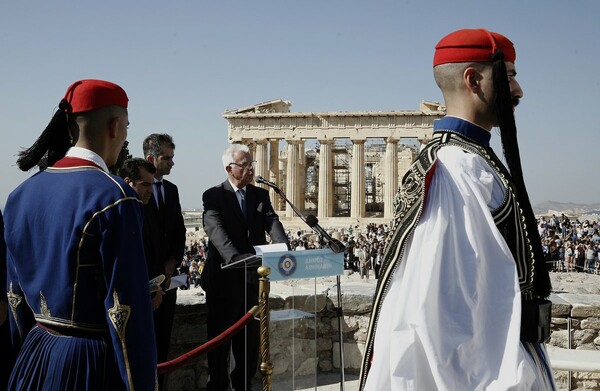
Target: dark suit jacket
x: 164, y: 239
x: 230, y: 234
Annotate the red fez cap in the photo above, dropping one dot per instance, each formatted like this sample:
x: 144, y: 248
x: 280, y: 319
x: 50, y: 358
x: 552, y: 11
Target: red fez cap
x: 472, y: 46
x: 90, y: 94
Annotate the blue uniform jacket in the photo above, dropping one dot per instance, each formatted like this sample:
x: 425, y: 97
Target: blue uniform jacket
x: 76, y: 262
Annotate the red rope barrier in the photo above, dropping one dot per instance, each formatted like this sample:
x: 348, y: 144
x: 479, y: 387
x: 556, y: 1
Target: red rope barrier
x: 169, y: 366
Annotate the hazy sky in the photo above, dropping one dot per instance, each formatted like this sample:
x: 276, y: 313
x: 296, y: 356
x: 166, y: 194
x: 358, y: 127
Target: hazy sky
x: 183, y: 63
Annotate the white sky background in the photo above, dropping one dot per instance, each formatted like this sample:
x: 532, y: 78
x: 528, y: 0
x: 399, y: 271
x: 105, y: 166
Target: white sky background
x: 183, y: 63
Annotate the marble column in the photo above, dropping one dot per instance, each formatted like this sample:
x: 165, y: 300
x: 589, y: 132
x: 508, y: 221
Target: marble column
x: 273, y: 175
x: 251, y: 146
x: 301, y: 189
x: 262, y: 158
x: 325, y: 200
x: 357, y: 175
x: 292, y: 176
x: 391, y: 177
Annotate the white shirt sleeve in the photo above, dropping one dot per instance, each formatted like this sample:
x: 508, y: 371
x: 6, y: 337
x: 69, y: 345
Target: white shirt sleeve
x: 451, y: 317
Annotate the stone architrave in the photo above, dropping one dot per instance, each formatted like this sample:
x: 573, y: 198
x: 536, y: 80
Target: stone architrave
x: 357, y: 173
x: 325, y: 200
x: 391, y: 177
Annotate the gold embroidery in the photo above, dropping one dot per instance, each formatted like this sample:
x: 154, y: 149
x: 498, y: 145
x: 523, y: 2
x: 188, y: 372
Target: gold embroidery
x: 44, y: 306
x: 14, y: 301
x: 119, y: 316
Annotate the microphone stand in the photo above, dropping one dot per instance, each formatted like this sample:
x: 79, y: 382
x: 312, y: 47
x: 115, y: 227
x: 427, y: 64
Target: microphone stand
x: 335, y: 245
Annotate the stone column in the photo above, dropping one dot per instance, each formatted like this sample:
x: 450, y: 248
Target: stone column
x: 291, y: 188
x: 391, y: 177
x: 357, y: 175
x: 273, y: 175
x: 251, y: 146
x: 301, y: 177
x: 262, y: 158
x: 325, y: 201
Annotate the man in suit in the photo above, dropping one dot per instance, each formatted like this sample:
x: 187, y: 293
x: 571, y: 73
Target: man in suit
x: 139, y: 174
x: 237, y: 215
x: 164, y: 237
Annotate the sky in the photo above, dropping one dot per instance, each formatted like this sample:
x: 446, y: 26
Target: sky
x: 183, y: 63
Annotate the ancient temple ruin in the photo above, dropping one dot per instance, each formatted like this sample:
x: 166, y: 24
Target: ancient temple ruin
x: 343, y: 167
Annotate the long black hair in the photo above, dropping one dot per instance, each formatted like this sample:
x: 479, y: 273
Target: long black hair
x: 510, y: 147
x: 53, y: 143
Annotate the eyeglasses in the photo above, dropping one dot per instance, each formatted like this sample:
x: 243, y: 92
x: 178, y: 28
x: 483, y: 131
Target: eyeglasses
x: 245, y: 165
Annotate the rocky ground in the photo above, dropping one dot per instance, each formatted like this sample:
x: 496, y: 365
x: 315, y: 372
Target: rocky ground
x: 580, y: 283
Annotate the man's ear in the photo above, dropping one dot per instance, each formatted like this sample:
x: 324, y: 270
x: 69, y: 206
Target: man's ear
x: 150, y: 158
x: 228, y: 169
x: 471, y: 78
x: 113, y: 127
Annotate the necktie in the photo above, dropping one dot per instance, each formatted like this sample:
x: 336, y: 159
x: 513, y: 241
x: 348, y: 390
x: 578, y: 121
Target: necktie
x: 243, y: 203
x: 159, y: 196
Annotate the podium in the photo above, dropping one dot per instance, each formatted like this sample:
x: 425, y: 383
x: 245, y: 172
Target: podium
x: 297, y: 327
x: 296, y: 340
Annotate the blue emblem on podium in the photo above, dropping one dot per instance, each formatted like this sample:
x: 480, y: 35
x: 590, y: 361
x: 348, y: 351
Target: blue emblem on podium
x: 287, y: 265
x: 303, y: 264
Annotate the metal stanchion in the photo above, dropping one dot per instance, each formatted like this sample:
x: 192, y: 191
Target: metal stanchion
x: 570, y: 374
x: 340, y: 315
x: 266, y: 367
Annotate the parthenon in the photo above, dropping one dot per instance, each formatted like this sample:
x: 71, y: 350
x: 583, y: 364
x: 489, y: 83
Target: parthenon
x: 343, y: 167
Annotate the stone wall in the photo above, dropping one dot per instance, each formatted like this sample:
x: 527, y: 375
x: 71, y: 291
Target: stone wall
x: 190, y: 330
x: 583, y: 311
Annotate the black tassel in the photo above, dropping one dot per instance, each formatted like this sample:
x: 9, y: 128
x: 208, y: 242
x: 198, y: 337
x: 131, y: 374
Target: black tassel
x: 51, y: 146
x: 510, y: 146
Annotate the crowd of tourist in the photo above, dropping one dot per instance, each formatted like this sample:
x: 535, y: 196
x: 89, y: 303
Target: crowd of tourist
x: 569, y: 245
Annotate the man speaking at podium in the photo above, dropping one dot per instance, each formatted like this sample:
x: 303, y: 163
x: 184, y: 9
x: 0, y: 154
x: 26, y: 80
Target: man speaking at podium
x: 237, y: 215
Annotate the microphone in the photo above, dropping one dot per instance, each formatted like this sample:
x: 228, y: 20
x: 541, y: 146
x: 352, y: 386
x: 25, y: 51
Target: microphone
x: 262, y: 180
x: 335, y: 245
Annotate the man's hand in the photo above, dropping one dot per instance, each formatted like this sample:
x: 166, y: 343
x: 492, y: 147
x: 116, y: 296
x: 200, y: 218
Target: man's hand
x: 157, y: 299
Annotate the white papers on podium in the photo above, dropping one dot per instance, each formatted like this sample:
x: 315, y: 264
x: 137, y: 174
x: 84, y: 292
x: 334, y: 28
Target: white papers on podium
x: 270, y: 248
x: 177, y: 281
x: 256, y: 258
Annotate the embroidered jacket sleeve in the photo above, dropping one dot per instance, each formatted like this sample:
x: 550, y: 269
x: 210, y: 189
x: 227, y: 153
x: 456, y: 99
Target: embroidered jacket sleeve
x: 127, y: 301
x: 20, y: 316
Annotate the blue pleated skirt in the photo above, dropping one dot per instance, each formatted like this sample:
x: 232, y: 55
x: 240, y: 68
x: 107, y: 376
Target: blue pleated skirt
x: 48, y: 361
x: 538, y: 357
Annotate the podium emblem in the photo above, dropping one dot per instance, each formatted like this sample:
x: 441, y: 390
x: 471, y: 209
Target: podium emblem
x: 287, y: 264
